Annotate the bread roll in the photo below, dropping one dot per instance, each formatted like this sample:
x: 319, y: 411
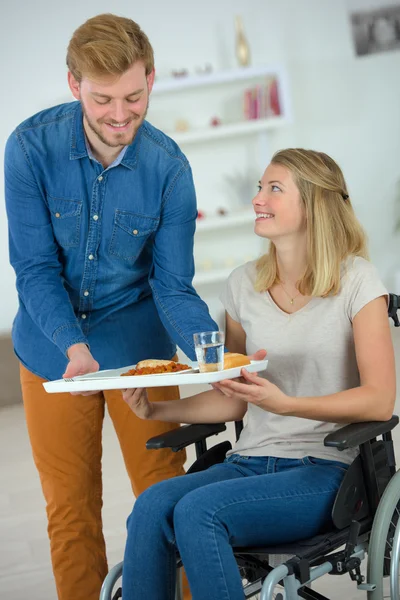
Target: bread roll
x: 152, y: 362
x: 234, y: 359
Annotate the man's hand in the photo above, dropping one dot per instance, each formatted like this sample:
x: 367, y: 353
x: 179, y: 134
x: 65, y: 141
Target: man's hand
x: 138, y: 401
x: 80, y: 362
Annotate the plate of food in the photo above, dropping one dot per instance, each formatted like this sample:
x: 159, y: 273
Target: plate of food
x: 155, y: 373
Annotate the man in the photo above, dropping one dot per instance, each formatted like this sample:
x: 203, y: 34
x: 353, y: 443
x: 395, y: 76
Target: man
x: 102, y: 209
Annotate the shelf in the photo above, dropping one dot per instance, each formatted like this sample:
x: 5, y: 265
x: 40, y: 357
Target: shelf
x: 233, y: 219
x: 176, y: 84
x: 226, y: 131
x: 212, y: 276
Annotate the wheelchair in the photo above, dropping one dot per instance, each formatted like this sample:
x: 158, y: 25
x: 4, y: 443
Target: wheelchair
x: 365, y: 518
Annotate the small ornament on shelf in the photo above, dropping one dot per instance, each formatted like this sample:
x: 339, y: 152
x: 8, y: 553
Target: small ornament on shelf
x: 204, y: 70
x: 222, y: 212
x: 181, y: 73
x: 244, y: 186
x: 181, y: 125
x: 200, y: 214
x: 215, y: 122
x: 242, y: 47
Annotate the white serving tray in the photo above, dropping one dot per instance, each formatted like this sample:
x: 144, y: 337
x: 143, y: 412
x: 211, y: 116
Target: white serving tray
x: 112, y: 380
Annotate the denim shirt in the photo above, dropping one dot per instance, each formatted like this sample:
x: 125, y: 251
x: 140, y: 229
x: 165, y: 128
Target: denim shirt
x: 102, y: 256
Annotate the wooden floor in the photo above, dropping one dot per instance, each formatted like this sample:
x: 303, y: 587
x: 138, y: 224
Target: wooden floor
x: 25, y: 571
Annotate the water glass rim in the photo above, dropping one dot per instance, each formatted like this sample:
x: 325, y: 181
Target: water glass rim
x: 208, y: 332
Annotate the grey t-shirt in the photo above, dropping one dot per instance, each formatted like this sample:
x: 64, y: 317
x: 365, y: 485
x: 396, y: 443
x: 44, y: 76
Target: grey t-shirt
x: 310, y: 353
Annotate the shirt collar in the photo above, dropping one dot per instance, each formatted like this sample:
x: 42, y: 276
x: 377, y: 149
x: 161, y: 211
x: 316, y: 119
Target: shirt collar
x: 79, y: 147
x: 115, y: 163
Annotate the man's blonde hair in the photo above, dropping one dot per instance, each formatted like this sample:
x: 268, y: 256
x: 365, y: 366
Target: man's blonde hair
x: 333, y: 231
x: 108, y: 45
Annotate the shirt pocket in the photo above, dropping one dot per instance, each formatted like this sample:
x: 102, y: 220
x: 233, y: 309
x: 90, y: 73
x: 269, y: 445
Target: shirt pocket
x: 130, y: 234
x: 66, y: 220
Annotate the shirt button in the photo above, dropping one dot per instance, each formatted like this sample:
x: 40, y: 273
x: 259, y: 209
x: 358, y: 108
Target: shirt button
x: 83, y: 316
x: 91, y: 257
x: 135, y: 232
x: 58, y: 215
x: 86, y: 293
x: 95, y: 217
x: 100, y: 178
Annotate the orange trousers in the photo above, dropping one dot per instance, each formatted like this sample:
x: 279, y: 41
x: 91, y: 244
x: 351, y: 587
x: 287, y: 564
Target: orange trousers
x: 65, y: 434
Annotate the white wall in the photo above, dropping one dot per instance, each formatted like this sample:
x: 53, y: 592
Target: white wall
x: 347, y: 106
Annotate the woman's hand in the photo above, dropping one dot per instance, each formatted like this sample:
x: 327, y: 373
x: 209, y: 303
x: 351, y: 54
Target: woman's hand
x: 256, y: 390
x: 137, y: 400
x: 258, y: 355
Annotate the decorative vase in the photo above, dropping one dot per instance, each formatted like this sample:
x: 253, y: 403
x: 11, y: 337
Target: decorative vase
x: 242, y: 47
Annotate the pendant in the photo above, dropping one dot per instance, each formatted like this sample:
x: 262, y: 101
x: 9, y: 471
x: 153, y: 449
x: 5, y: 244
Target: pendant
x: 291, y: 302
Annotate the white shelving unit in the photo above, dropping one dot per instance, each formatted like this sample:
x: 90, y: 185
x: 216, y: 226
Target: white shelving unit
x: 229, y: 238
x: 228, y: 131
x: 235, y: 219
x: 218, y: 78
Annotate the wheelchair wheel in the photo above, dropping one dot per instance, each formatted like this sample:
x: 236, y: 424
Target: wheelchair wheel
x: 384, y: 545
x: 252, y: 580
x: 252, y: 589
x: 110, y: 590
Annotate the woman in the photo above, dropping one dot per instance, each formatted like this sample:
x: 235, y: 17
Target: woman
x: 319, y: 307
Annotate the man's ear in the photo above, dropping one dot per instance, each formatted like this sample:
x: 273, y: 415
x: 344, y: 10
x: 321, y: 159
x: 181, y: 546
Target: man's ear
x: 74, y: 86
x: 150, y: 80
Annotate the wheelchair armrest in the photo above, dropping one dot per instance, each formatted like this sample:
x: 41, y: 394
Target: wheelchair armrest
x: 355, y: 434
x: 184, y: 436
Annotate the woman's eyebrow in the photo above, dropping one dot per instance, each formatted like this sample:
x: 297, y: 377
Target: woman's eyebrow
x: 276, y: 181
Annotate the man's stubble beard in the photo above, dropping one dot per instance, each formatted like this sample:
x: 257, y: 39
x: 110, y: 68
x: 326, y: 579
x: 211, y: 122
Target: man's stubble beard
x: 96, y: 130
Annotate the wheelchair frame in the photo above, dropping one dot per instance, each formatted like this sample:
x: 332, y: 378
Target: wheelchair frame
x: 365, y: 516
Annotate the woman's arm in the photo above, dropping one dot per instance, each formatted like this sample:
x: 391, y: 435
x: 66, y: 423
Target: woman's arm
x: 235, y: 336
x: 373, y: 400
x: 208, y: 407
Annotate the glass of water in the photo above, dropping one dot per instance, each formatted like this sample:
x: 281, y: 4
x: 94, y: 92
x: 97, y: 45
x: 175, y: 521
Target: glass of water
x: 209, y: 347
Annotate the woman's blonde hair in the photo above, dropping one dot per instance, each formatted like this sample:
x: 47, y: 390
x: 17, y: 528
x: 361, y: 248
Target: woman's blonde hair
x: 333, y: 230
x: 108, y: 45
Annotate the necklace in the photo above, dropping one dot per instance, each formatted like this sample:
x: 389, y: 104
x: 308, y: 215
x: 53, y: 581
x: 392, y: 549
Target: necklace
x: 291, y: 300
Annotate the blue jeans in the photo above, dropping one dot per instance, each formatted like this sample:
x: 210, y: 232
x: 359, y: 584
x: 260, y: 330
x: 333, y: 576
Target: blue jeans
x: 245, y: 501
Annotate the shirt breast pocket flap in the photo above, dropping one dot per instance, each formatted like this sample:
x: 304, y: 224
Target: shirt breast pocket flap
x: 130, y: 233
x: 66, y: 220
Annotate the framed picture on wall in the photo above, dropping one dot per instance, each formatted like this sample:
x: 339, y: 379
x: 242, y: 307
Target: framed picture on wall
x: 376, y: 30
